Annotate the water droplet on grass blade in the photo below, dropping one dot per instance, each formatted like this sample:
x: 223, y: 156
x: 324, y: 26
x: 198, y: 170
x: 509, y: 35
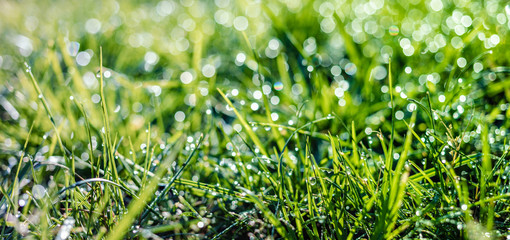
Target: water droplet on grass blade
x: 394, y: 30
x: 179, y: 116
x: 278, y: 86
x: 73, y: 48
x: 38, y: 191
x: 240, y: 23
x: 274, y: 116
x: 83, y: 58
x: 186, y: 77
x: 200, y: 224
x: 208, y: 70
x: 399, y: 115
x: 66, y: 228
x: 28, y: 68
x: 312, y: 180
x: 93, y: 26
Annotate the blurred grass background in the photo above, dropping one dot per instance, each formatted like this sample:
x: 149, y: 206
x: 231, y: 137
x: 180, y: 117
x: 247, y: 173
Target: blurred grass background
x: 282, y: 64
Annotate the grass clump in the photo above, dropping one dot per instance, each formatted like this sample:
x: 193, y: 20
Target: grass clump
x: 248, y: 119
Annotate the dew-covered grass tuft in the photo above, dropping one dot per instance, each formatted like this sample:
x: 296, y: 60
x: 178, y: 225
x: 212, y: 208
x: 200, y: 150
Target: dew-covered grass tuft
x: 224, y: 119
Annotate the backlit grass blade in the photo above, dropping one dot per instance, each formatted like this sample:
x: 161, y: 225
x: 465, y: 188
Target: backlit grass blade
x: 246, y: 126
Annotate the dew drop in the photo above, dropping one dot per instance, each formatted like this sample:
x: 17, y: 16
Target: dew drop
x: 278, y: 86
x: 38, y: 191
x: 312, y: 180
x: 394, y: 30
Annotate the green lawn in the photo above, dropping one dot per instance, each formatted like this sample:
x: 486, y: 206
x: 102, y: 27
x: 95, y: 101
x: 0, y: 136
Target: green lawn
x: 254, y: 119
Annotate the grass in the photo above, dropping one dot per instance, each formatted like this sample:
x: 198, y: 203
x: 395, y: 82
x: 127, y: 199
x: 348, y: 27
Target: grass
x: 260, y: 120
